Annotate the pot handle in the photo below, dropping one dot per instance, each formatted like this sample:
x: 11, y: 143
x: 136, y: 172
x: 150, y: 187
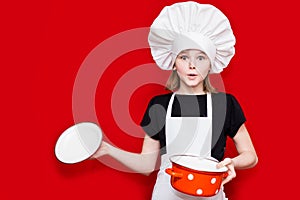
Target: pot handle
x: 172, y: 173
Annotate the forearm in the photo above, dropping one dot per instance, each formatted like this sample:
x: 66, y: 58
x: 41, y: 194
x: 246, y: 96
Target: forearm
x: 137, y: 162
x: 244, y: 160
x: 247, y: 157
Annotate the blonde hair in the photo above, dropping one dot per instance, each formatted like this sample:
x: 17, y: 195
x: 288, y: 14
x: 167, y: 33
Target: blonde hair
x: 173, y: 83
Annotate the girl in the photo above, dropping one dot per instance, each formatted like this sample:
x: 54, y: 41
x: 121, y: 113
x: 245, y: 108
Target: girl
x: 192, y: 40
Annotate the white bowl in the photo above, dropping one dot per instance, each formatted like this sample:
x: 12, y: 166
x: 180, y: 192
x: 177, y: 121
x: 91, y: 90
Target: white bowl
x: 78, y: 142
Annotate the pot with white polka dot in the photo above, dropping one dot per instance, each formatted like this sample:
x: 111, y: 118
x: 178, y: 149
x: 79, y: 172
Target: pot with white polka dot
x: 196, y: 176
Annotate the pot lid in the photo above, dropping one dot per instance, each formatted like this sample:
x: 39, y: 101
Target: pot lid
x: 197, y: 163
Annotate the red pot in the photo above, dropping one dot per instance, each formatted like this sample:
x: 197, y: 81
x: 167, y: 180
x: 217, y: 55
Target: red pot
x: 196, y: 176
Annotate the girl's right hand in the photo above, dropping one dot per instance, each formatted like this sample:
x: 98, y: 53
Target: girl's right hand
x: 101, y: 151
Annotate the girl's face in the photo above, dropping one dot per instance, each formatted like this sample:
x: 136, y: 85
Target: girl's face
x: 192, y: 67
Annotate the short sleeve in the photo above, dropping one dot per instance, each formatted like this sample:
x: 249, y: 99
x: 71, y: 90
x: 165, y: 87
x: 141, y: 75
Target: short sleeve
x: 235, y: 116
x: 154, y: 119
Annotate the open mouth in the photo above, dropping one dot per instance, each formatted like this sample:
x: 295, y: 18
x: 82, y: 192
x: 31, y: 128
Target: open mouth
x: 192, y: 75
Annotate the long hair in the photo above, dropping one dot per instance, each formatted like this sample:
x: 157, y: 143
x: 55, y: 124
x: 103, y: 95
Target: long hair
x: 173, y: 83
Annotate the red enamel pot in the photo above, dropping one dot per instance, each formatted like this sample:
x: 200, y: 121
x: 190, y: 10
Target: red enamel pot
x: 196, y: 176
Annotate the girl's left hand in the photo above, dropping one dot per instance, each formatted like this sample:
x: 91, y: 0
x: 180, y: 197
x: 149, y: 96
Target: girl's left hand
x: 227, y: 162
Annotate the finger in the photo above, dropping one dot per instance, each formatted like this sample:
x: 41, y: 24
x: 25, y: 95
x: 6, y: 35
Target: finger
x: 224, y: 163
x: 232, y: 171
x: 231, y: 175
x: 227, y: 161
x: 220, y: 165
x: 226, y: 180
x: 92, y: 158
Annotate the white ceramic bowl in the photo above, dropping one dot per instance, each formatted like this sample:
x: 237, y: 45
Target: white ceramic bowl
x: 78, y: 142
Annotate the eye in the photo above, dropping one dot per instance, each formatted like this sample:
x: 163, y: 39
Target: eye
x: 201, y: 58
x: 183, y: 57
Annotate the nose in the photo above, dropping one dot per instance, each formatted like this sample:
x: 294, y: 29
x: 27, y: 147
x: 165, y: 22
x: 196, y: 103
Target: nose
x: 191, y: 65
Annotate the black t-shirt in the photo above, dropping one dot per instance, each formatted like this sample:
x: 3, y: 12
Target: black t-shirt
x: 227, y: 117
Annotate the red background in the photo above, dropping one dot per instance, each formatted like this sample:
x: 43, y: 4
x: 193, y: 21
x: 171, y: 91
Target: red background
x: 43, y: 46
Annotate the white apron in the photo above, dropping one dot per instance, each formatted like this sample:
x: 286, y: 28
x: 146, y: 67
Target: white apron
x: 184, y: 135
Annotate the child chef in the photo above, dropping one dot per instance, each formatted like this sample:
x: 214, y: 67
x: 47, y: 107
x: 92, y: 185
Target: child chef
x: 192, y: 40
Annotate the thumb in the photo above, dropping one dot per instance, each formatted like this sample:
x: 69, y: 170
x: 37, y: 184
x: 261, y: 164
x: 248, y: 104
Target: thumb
x: 224, y: 163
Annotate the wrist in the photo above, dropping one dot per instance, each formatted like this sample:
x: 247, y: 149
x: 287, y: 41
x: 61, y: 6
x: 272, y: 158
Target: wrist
x: 111, y: 150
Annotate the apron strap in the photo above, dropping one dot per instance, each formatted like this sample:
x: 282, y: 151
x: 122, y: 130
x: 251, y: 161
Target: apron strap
x: 169, y: 109
x: 209, y: 105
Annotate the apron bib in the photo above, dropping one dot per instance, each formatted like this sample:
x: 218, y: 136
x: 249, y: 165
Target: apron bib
x: 184, y: 135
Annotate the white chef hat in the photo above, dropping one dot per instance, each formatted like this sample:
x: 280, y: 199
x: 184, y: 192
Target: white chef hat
x: 191, y: 25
